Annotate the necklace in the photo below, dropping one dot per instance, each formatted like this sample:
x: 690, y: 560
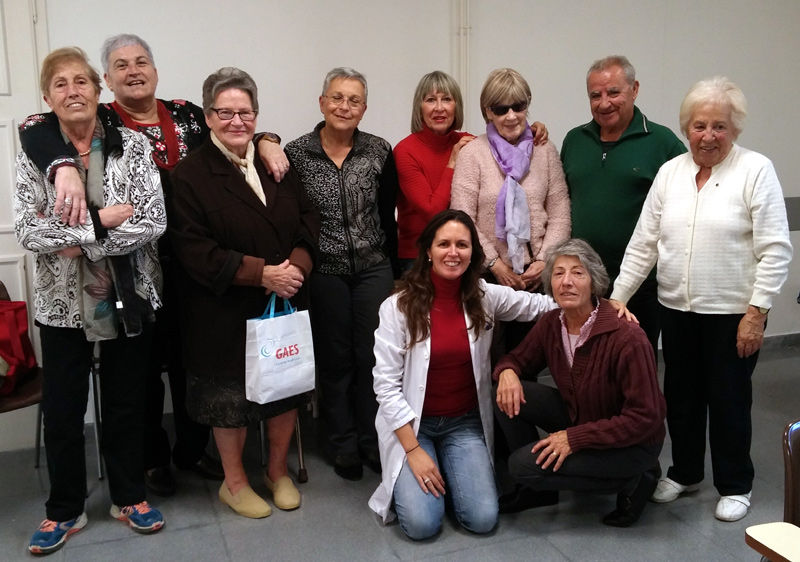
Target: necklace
x: 85, y: 153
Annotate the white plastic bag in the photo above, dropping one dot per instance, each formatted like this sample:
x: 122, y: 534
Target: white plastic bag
x: 279, y: 354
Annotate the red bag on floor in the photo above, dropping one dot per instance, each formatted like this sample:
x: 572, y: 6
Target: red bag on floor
x: 16, y: 349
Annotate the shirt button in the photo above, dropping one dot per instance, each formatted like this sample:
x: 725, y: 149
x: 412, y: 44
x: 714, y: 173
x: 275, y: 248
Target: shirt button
x: 683, y: 280
x: 421, y: 387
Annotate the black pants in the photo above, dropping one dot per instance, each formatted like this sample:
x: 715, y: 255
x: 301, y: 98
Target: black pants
x: 601, y: 471
x: 191, y: 437
x: 344, y: 317
x: 66, y: 362
x: 706, y: 379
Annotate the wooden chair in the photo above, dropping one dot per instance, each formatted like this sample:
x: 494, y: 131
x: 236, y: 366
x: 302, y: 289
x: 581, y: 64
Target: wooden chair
x: 791, y: 470
x: 780, y: 542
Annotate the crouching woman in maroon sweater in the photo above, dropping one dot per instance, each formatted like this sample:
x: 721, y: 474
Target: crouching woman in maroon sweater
x: 605, y: 416
x: 432, y: 380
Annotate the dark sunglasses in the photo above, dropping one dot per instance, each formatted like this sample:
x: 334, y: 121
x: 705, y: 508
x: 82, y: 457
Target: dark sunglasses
x: 503, y: 109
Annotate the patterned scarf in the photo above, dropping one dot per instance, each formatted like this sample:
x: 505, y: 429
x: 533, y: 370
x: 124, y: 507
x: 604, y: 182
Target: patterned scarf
x: 108, y: 291
x: 512, y: 215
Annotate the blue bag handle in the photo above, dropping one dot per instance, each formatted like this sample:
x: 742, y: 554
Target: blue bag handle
x: 269, y: 312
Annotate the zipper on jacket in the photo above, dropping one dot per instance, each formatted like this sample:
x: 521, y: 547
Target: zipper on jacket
x: 345, y: 216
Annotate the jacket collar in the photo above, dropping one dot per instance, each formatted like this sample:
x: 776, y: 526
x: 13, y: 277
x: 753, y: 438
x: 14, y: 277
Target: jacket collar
x: 606, y: 320
x: 315, y: 142
x: 112, y: 140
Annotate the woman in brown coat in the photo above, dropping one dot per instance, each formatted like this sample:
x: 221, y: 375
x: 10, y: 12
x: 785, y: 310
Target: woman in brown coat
x: 239, y: 236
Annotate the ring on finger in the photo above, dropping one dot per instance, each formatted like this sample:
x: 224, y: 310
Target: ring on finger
x: 67, y: 201
x: 426, y: 480
x: 553, y: 454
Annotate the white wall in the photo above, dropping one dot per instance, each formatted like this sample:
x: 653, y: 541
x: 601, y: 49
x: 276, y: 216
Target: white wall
x: 288, y: 46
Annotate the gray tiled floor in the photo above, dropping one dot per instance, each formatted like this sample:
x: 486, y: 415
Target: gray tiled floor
x: 335, y: 523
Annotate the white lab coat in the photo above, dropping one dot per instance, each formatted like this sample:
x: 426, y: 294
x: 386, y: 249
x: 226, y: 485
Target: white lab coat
x: 400, y: 376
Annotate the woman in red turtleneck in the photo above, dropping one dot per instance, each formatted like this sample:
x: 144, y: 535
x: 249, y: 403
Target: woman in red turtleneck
x: 426, y: 158
x: 432, y: 382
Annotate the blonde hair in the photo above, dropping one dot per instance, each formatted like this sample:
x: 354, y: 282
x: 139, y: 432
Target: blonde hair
x: 503, y: 84
x: 436, y: 81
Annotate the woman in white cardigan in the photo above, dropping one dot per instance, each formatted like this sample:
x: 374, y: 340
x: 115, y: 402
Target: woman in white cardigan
x: 715, y: 223
x: 433, y: 384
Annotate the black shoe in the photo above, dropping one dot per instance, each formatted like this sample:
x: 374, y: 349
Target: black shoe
x: 523, y: 498
x: 160, y: 481
x: 630, y: 508
x: 207, y: 467
x: 348, y: 466
x: 373, y: 461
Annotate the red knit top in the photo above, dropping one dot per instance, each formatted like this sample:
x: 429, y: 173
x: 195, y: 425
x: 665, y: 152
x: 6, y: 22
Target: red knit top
x: 451, y: 390
x: 421, y: 159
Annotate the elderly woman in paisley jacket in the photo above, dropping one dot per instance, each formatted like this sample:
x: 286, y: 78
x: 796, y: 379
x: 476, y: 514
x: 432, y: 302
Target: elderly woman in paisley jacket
x: 94, y: 282
x: 351, y: 177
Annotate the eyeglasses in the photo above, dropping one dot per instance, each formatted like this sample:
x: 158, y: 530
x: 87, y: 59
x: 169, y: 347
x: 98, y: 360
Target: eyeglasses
x: 338, y: 99
x: 503, y: 109
x: 228, y: 114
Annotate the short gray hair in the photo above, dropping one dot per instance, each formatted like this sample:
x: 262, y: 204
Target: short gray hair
x: 346, y: 73
x: 589, y: 259
x: 503, y: 84
x: 610, y: 61
x: 719, y: 91
x: 123, y: 40
x: 436, y: 81
x: 228, y: 78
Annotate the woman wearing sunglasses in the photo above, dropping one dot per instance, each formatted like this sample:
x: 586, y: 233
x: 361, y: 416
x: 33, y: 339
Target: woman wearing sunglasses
x: 516, y: 194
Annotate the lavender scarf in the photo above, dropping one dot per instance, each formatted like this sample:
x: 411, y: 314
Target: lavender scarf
x: 512, y: 215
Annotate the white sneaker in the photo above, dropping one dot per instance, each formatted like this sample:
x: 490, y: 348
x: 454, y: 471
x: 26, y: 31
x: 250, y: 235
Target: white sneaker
x: 669, y: 490
x: 732, y: 508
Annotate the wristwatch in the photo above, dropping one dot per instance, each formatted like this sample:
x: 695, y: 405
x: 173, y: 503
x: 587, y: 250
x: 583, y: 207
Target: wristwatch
x: 491, y: 263
x: 763, y: 310
x: 271, y: 137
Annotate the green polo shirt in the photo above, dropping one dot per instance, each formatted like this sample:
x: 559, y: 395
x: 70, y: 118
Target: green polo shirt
x: 608, y: 188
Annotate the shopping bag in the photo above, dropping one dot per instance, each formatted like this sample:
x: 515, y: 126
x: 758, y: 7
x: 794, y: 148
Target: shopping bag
x: 279, y: 354
x: 16, y: 350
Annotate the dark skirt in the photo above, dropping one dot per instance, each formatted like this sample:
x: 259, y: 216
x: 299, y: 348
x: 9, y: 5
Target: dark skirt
x: 221, y: 402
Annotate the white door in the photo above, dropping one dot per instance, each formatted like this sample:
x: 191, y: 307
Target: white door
x: 23, y: 37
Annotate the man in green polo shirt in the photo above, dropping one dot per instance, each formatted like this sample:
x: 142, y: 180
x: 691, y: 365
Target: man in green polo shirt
x: 610, y: 164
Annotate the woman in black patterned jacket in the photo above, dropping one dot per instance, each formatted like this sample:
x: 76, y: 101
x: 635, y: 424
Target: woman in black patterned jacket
x: 351, y: 178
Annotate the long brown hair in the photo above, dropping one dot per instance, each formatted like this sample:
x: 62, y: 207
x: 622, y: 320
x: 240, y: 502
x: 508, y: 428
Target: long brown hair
x: 416, y: 294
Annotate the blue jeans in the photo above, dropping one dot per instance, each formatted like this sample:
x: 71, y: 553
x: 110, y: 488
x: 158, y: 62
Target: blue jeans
x: 458, y: 448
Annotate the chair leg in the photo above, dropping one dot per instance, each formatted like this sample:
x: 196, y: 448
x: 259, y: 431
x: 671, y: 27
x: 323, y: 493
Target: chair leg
x: 38, y: 435
x: 302, y: 473
x: 97, y: 422
x: 262, y: 436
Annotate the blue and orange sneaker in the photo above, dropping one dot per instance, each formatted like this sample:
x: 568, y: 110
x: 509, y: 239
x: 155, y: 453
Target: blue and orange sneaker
x: 141, y: 517
x: 52, y: 535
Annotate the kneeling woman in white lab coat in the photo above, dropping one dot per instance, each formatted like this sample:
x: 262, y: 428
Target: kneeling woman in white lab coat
x: 432, y: 379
